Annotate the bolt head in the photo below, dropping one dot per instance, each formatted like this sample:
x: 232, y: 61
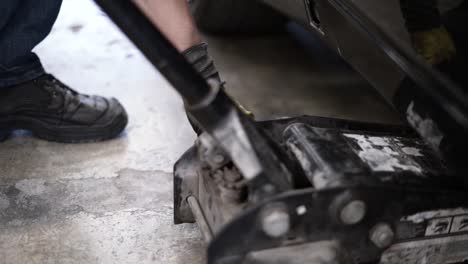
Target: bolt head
x: 218, y: 159
x: 275, y: 220
x: 353, y: 212
x: 382, y: 235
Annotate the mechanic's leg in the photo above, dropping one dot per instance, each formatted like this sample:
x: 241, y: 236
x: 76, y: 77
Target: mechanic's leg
x: 33, y: 100
x: 23, y: 25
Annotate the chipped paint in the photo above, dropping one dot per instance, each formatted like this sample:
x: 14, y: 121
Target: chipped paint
x: 444, y: 241
x: 318, y: 177
x: 379, y: 141
x: 385, y: 154
x: 423, y: 216
x: 444, y: 250
x: 412, y: 151
x: 425, y: 127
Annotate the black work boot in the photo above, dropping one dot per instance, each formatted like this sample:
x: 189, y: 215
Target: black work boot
x: 52, y: 111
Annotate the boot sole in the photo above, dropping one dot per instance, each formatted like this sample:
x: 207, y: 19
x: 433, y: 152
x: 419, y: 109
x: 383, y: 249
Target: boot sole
x: 64, y: 134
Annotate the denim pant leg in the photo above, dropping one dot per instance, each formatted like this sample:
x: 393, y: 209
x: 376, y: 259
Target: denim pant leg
x: 23, y: 25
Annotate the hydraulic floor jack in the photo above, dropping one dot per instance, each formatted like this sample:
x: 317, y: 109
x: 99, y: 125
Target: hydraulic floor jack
x: 318, y: 190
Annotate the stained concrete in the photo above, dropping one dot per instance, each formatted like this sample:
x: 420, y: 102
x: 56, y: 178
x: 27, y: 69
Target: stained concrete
x: 275, y: 77
x: 111, y: 202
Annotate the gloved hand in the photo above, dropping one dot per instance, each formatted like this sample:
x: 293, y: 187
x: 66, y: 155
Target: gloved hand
x: 434, y: 45
x: 201, y: 61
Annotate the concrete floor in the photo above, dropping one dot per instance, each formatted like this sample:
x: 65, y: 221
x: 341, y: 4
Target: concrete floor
x: 111, y: 202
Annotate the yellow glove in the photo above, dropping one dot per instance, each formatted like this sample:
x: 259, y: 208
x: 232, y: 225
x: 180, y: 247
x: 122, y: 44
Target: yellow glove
x: 435, y: 45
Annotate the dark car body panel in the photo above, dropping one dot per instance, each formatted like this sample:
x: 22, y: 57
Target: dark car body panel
x: 353, y: 46
x: 371, y: 36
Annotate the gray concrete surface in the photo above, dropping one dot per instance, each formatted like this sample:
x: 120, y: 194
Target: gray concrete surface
x: 111, y: 202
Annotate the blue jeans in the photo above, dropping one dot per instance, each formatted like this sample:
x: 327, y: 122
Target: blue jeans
x: 23, y: 25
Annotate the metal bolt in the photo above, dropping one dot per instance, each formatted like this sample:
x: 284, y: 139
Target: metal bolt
x: 353, y: 212
x: 218, y: 158
x: 275, y: 220
x: 382, y: 235
x: 268, y: 188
